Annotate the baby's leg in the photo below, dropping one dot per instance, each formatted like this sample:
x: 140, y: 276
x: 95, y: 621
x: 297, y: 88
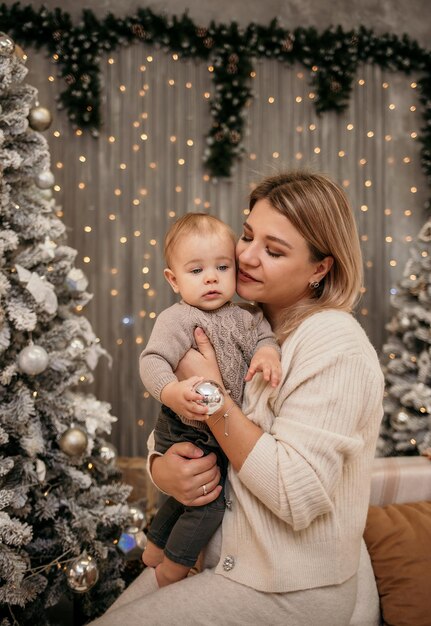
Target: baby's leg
x: 168, y: 572
x: 152, y: 555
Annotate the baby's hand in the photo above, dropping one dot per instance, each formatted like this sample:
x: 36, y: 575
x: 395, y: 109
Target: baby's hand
x: 180, y: 397
x: 267, y: 361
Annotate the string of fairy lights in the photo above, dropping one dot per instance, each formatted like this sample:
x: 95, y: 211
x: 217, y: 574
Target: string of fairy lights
x: 148, y: 153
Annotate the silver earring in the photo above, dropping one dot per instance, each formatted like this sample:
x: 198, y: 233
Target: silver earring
x: 315, y: 284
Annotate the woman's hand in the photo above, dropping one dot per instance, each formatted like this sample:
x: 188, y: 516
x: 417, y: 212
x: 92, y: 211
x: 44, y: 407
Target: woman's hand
x: 201, y: 362
x: 182, y: 472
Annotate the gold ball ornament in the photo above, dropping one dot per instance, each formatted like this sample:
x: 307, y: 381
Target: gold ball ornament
x: 82, y: 573
x: 39, y: 118
x: 7, y: 45
x: 33, y: 360
x: 19, y: 52
x: 73, y: 441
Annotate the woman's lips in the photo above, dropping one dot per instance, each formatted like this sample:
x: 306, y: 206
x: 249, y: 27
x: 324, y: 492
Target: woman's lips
x: 246, y: 278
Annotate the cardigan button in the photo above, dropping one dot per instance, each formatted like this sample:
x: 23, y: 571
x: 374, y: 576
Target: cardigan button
x: 228, y: 563
x: 228, y: 504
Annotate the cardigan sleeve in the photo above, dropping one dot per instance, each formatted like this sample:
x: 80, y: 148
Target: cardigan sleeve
x: 170, y: 339
x: 318, y: 429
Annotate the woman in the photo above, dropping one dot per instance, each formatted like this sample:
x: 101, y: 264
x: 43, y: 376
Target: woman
x: 301, y: 454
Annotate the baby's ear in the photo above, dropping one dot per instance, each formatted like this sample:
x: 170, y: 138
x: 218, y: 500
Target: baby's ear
x: 170, y: 277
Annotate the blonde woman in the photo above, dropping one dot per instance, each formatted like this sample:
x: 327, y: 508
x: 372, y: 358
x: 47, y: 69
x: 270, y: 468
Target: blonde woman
x: 299, y: 455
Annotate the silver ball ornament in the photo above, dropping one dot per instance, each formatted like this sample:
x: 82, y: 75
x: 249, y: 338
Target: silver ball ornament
x: 108, y: 453
x: 7, y: 45
x: 212, y: 395
x: 73, y: 441
x: 136, y: 517
x: 39, y: 118
x: 132, y: 543
x: 76, y: 346
x: 82, y: 573
x: 33, y: 360
x: 402, y: 419
x: 45, y: 180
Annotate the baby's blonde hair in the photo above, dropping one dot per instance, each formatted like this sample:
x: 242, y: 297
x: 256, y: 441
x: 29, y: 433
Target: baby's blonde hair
x: 194, y: 223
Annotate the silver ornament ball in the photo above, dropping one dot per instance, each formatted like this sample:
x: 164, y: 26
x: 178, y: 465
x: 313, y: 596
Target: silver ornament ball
x: 402, y: 419
x: 33, y: 360
x: 136, y: 517
x: 76, y: 346
x: 45, y: 180
x: 7, y: 45
x: 73, y: 441
x: 108, y: 453
x: 212, y: 395
x: 39, y: 118
x: 82, y: 573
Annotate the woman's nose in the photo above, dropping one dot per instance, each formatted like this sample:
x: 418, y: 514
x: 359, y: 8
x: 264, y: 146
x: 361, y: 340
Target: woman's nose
x: 248, y: 255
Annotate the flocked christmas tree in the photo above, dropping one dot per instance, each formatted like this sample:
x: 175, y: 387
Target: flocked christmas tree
x: 406, y: 427
x: 62, y: 503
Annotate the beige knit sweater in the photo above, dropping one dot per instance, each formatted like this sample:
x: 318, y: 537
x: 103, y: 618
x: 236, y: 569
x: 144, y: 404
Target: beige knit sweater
x: 300, y: 500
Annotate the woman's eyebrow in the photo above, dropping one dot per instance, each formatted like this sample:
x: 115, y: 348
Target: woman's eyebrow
x: 271, y: 237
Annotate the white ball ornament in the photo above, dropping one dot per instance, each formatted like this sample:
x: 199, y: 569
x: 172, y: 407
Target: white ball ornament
x: 45, y: 180
x: 73, y: 441
x: 82, y: 573
x: 212, y: 395
x: 39, y: 118
x: 33, y: 360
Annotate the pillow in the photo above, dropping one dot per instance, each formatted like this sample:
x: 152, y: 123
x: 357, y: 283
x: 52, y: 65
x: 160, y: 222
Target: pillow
x: 398, y: 538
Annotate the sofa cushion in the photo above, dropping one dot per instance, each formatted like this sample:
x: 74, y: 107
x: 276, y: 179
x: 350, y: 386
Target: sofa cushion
x: 398, y: 538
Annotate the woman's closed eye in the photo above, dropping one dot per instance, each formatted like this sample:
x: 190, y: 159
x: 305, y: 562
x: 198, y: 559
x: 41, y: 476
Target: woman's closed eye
x: 275, y: 255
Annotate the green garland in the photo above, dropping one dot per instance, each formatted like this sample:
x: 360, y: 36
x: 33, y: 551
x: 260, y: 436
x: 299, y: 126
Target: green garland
x: 333, y: 56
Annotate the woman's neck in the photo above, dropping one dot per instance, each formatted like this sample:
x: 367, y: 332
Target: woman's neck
x: 272, y: 315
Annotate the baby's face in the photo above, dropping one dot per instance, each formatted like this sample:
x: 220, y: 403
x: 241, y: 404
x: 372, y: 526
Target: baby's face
x: 203, y: 270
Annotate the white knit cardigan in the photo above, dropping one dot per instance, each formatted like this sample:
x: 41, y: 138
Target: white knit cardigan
x: 299, y: 502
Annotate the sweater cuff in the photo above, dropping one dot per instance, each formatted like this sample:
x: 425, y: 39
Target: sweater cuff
x: 252, y: 471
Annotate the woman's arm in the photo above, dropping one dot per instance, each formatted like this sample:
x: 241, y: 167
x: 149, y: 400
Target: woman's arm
x: 243, y: 434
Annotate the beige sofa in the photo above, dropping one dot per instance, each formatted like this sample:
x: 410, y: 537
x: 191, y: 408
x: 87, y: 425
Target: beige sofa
x: 398, y: 536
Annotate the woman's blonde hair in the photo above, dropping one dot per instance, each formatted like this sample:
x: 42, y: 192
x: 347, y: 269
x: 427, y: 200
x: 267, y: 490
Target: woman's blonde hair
x: 194, y: 223
x: 319, y: 209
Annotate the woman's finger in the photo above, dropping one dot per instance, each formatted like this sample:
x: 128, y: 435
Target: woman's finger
x: 203, y: 343
x: 209, y: 497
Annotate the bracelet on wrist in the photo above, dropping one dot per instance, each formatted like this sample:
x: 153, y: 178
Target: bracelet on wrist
x: 225, y: 416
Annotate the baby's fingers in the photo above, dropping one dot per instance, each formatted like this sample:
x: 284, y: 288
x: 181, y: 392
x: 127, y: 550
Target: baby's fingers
x: 250, y: 373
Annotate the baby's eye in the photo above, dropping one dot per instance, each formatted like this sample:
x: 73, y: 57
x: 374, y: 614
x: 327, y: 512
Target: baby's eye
x: 196, y: 270
x: 223, y: 268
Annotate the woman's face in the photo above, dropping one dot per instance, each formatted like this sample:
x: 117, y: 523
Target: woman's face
x: 274, y: 266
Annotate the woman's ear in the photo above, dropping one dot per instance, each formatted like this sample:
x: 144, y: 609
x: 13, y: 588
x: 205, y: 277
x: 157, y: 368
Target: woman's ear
x: 322, y: 268
x: 170, y: 277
